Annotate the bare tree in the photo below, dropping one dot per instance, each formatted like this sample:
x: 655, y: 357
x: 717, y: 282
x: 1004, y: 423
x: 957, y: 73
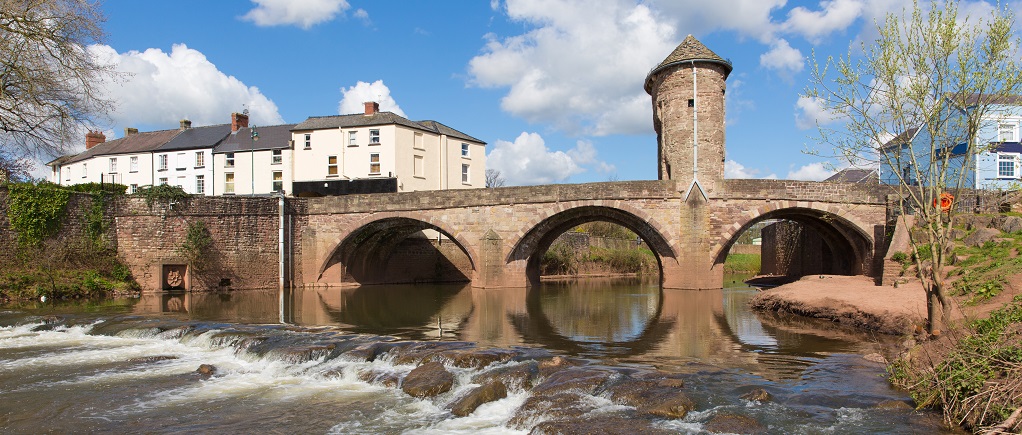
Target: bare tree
x: 917, y: 100
x: 494, y: 179
x: 50, y: 84
x: 14, y: 169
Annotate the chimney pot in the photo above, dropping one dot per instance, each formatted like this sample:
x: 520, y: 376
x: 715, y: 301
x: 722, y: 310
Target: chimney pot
x: 93, y: 138
x: 128, y: 131
x: 372, y: 107
x: 238, y: 121
x: 186, y: 124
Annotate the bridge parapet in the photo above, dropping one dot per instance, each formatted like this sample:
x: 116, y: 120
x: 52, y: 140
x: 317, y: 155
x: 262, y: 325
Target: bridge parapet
x: 792, y: 190
x: 447, y: 199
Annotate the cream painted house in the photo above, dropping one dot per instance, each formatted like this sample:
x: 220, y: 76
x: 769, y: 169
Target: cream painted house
x: 383, y: 152
x: 248, y: 164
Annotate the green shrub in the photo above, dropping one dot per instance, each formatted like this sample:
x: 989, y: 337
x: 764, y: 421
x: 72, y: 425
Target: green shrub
x: 899, y: 257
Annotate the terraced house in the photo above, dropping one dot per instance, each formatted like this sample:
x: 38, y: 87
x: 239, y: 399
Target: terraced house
x: 369, y: 152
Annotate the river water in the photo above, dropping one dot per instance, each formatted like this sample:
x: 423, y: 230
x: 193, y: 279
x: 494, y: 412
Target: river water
x: 130, y: 365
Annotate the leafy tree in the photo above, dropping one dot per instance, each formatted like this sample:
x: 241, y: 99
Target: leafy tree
x: 50, y: 84
x: 494, y: 178
x: 935, y: 73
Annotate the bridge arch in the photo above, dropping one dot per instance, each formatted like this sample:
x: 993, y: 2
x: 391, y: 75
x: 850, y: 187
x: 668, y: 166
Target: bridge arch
x: 536, y: 240
x: 363, y: 255
x: 844, y: 237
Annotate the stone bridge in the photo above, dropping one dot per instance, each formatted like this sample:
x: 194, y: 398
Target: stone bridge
x: 497, y: 237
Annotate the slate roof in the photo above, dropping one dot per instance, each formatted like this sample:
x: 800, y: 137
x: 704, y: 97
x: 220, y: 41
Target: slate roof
x: 378, y: 118
x: 689, y: 50
x: 904, y: 138
x: 443, y: 129
x: 1008, y: 100
x: 271, y: 137
x: 855, y: 175
x: 197, y: 137
x: 135, y: 143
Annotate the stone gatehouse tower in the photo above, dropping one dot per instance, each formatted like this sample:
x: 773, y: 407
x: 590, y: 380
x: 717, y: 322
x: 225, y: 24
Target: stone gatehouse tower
x: 688, y: 116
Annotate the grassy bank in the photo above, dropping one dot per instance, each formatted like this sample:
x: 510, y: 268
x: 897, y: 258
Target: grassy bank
x: 562, y: 259
x: 742, y: 263
x: 973, y: 372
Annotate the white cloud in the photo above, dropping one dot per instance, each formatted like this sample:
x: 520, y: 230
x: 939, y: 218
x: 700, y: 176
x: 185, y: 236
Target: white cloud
x: 528, y: 161
x: 733, y: 169
x: 811, y: 172
x: 361, y: 14
x: 355, y: 97
x: 836, y: 15
x: 301, y: 13
x: 750, y: 18
x: 783, y: 58
x: 581, y: 66
x: 810, y: 112
x: 163, y: 88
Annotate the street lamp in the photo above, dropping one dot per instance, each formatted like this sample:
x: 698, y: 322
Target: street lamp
x: 251, y: 158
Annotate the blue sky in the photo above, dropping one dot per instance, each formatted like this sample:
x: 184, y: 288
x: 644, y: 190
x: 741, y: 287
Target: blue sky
x: 553, y: 86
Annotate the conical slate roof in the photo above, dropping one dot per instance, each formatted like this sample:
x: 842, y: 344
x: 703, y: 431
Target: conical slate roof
x: 689, y: 50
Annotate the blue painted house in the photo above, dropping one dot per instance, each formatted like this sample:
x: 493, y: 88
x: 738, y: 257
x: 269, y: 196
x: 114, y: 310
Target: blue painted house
x: 994, y: 165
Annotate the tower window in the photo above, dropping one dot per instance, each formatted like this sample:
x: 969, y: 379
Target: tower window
x: 691, y: 102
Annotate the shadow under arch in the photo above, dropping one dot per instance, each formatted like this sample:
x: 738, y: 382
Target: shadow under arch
x: 365, y: 254
x: 850, y: 248
x: 539, y: 238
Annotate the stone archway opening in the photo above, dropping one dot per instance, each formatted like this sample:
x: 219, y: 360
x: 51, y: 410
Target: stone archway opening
x: 797, y: 242
x: 400, y: 251
x: 536, y: 244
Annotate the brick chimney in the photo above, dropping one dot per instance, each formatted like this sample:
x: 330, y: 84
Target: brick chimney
x: 128, y: 131
x: 372, y: 107
x: 186, y: 124
x: 238, y: 120
x: 93, y: 138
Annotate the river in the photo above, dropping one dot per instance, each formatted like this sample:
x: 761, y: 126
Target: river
x: 130, y: 365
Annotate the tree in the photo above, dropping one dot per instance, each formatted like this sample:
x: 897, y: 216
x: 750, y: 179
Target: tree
x: 51, y: 86
x: 925, y: 88
x: 494, y: 179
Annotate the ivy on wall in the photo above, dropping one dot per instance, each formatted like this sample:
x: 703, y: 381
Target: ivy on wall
x: 36, y: 210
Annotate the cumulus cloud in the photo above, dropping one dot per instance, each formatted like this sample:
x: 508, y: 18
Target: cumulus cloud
x: 580, y: 68
x: 811, y: 111
x: 355, y: 97
x: 811, y: 172
x: 301, y: 13
x: 835, y: 15
x: 701, y: 17
x: 162, y: 88
x: 783, y: 58
x: 361, y: 14
x: 733, y: 169
x: 528, y: 160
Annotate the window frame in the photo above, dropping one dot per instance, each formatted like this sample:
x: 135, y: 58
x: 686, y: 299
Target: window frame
x: 276, y: 157
x: 161, y: 162
x: 352, y: 138
x: 133, y: 164
x: 308, y: 141
x: 229, y: 183
x: 332, y: 169
x: 228, y: 160
x: 465, y: 150
x: 374, y: 136
x: 200, y: 159
x: 1011, y: 159
x: 1007, y: 128
x: 85, y: 170
x: 113, y: 165
x: 164, y: 181
x: 466, y: 170
x: 374, y: 160
x: 419, y: 166
x: 277, y: 185
x: 200, y: 184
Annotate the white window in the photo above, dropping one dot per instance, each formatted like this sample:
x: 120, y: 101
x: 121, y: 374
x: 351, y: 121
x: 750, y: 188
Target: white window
x: 200, y: 159
x: 113, y: 165
x: 200, y: 184
x: 374, y: 164
x: 278, y: 181
x: 1006, y: 132
x: 418, y: 142
x: 181, y: 164
x: 85, y: 170
x: 464, y: 174
x: 464, y: 149
x: 1007, y: 165
x: 163, y: 181
x: 331, y: 166
x: 180, y: 182
x: 229, y: 161
x: 133, y: 188
x: 229, y: 182
x: 133, y: 164
x: 419, y: 166
x: 308, y: 141
x: 374, y: 137
x: 352, y: 138
x: 67, y: 173
x: 162, y: 163
x: 278, y: 157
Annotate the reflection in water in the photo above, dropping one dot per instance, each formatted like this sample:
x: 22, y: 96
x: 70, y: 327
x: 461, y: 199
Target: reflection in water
x: 628, y: 319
